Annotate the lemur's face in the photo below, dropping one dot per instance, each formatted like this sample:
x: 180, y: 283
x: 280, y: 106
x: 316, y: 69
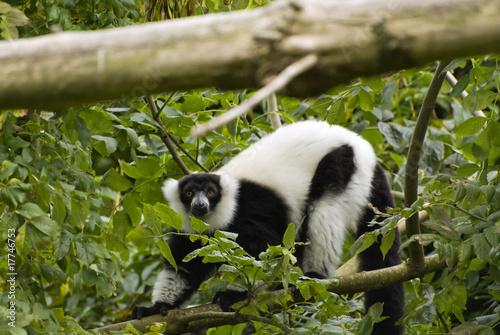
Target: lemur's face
x: 200, y: 193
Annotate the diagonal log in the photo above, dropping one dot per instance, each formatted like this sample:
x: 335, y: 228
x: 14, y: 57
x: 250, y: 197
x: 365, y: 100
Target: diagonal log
x: 244, y: 49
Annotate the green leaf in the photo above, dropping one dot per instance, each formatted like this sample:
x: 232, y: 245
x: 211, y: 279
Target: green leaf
x: 321, y: 105
x: 467, y: 170
x: 78, y: 215
x: 133, y: 139
x: 482, y: 145
x: 464, y: 253
x: 169, y: 217
x: 336, y: 113
x: 387, y: 242
x: 453, y: 64
x: 8, y: 31
x: 58, y: 209
x: 150, y: 144
x: 481, y: 246
x: 116, y: 181
x: 16, y: 17
x: 151, y: 219
x: 84, y: 133
x: 460, y: 86
x: 167, y: 253
x: 373, y: 314
x: 130, y: 170
x: 85, y: 253
x: 478, y: 100
x: 393, y: 134
x: 470, y: 126
x: 132, y: 206
x: 63, y: 246
x: 89, y: 277
x: 7, y: 169
x: 289, y: 236
x: 149, y: 168
x: 387, y: 94
x: 375, y: 83
x: 105, y: 287
x: 105, y: 145
x: 193, y: 102
x: 365, y: 100
x: 198, y: 225
x: 31, y: 210
x: 364, y: 242
x: 142, y: 237
x: 53, y: 274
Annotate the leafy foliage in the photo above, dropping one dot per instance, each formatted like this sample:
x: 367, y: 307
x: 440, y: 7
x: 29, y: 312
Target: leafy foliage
x: 81, y: 191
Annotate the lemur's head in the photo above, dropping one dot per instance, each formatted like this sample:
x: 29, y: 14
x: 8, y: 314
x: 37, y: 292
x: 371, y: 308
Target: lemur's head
x: 210, y: 197
x: 200, y: 193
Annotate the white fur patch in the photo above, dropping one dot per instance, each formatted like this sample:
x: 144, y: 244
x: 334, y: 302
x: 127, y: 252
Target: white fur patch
x: 168, y: 287
x: 286, y: 160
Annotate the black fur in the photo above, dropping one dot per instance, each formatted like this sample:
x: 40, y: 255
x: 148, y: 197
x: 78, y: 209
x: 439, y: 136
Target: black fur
x: 332, y: 175
x: 371, y: 259
x: 261, y: 218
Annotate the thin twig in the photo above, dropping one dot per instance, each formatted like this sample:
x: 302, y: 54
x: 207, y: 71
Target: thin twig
x: 188, y: 155
x: 283, y: 79
x: 463, y: 210
x: 164, y: 135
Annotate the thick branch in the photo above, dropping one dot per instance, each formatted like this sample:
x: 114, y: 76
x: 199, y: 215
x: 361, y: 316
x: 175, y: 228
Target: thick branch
x: 242, y: 49
x: 206, y: 316
x: 412, y: 163
x: 374, y: 280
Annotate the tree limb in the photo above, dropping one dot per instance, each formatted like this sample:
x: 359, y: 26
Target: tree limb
x: 272, y: 108
x: 210, y: 315
x: 412, y: 163
x: 242, y: 49
x: 284, y: 78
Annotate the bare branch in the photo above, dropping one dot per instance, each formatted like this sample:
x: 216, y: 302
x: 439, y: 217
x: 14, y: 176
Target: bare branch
x: 412, y: 162
x: 377, y: 279
x: 283, y: 79
x: 272, y: 108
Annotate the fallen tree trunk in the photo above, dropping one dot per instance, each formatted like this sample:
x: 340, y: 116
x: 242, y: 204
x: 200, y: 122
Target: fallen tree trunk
x: 244, y: 49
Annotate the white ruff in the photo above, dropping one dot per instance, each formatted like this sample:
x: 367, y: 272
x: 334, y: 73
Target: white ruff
x: 168, y: 287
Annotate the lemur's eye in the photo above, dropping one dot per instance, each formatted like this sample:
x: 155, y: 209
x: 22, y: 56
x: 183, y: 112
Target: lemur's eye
x: 210, y: 193
x: 189, y: 194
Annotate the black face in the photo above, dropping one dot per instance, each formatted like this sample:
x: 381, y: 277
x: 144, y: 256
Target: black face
x: 200, y: 193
